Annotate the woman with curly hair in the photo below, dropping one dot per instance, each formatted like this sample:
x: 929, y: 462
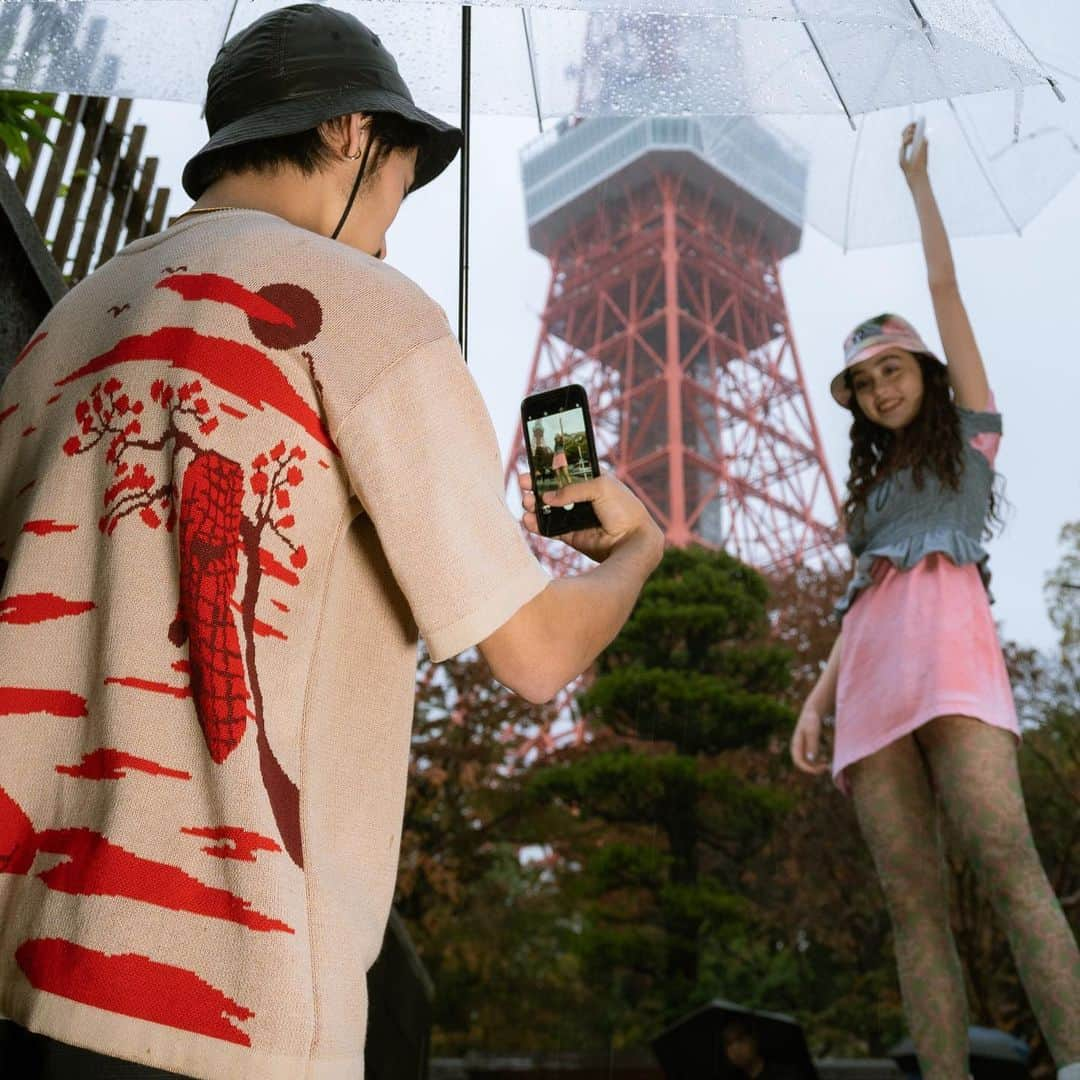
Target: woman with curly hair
x: 926, y: 727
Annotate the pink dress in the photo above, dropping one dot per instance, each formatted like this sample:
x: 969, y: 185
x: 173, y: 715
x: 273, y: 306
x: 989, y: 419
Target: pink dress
x: 917, y: 644
x: 559, y: 461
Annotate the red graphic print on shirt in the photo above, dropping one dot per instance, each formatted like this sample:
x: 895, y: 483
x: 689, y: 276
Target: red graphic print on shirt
x: 160, y: 433
x: 108, y: 764
x: 40, y: 607
x: 26, y: 700
x: 132, y: 985
x: 234, y: 843
x: 45, y: 526
x: 223, y: 552
x: 209, y: 566
x: 95, y: 866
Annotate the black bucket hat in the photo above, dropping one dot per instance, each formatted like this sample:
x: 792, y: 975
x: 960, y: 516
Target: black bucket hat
x: 299, y: 66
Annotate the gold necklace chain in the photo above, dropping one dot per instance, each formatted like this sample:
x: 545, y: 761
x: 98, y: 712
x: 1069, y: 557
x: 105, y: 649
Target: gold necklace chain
x: 205, y: 210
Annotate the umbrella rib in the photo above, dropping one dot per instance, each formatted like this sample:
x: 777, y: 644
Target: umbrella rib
x: 923, y: 22
x: 463, y: 213
x: 1027, y: 48
x: 982, y: 168
x: 825, y: 65
x: 532, y: 69
x: 851, y: 185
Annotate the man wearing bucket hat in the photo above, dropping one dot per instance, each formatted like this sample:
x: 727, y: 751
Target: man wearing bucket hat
x: 235, y: 503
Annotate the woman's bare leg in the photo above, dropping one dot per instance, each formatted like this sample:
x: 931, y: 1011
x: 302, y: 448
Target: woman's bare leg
x: 897, y: 814
x: 974, y: 769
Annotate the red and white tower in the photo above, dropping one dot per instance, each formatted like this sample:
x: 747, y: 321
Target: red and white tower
x: 664, y: 236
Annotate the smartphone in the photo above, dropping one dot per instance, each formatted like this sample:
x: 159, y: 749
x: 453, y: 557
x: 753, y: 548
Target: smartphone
x: 561, y: 450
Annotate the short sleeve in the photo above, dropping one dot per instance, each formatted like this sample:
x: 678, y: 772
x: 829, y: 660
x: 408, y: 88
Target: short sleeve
x: 423, y: 459
x: 982, y: 429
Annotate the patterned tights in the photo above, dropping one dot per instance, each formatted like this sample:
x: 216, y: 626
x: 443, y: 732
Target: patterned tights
x: 972, y: 767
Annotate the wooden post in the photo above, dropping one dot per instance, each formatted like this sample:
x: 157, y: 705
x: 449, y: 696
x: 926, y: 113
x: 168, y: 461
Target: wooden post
x: 76, y: 106
x: 107, y: 158
x: 161, y: 204
x: 125, y: 178
x: 136, y: 218
x: 94, y: 125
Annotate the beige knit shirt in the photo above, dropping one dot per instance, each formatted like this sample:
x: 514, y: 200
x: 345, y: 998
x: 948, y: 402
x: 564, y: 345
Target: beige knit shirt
x: 241, y: 468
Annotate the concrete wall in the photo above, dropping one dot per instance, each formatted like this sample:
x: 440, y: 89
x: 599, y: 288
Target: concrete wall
x: 30, y: 282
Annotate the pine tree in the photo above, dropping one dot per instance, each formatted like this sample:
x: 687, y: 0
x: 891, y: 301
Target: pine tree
x: 658, y: 816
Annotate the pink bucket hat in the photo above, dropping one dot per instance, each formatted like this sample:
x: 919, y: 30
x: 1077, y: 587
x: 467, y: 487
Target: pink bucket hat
x: 871, y: 338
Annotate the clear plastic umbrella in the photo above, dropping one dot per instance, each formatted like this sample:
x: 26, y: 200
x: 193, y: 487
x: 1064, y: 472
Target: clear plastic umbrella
x: 556, y: 57
x: 996, y: 159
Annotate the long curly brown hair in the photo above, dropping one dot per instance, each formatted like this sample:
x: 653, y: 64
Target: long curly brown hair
x: 931, y: 441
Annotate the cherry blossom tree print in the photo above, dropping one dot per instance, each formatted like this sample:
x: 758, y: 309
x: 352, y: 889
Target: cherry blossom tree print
x: 222, y: 511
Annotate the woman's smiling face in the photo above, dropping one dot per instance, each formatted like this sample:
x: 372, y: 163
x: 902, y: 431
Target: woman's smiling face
x: 889, y: 388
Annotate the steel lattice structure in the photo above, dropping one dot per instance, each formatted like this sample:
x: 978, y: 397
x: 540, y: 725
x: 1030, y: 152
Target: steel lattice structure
x: 665, y: 303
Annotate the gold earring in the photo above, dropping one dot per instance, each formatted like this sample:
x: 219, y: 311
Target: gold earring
x: 354, y: 157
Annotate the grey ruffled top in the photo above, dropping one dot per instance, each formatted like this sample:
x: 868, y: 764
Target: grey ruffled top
x: 904, y: 525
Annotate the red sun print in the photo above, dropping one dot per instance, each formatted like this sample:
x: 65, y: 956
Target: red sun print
x: 230, y: 520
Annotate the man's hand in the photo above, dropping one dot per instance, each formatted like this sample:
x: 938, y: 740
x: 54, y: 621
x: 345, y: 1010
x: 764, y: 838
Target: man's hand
x: 622, y: 515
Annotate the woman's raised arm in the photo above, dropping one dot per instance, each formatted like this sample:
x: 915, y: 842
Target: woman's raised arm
x: 966, y: 371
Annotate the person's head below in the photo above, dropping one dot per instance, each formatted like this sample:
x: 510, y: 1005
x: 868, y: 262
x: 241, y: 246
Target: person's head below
x: 903, y: 413
x: 326, y: 137
x: 741, y: 1045
x: 560, y: 441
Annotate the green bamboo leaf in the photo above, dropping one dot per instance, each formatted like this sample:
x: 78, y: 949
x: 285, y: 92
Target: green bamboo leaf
x: 12, y: 139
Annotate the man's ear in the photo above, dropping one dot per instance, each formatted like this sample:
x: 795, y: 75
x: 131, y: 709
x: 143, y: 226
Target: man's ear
x: 358, y: 126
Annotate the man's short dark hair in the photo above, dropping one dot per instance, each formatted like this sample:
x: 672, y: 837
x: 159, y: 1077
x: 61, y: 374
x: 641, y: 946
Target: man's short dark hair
x: 309, y: 152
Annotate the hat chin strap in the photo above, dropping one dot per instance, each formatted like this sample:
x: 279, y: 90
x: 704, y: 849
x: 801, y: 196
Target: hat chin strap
x: 355, y: 189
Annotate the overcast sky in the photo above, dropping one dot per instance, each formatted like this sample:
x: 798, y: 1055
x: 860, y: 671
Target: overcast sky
x: 1021, y: 294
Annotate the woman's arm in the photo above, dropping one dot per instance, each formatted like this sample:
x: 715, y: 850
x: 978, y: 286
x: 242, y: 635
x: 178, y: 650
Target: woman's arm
x: 966, y: 371
x: 806, y: 738
x: 823, y: 697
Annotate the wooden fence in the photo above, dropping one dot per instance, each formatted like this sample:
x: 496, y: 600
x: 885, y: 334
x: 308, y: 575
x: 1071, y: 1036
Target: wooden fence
x: 92, y: 191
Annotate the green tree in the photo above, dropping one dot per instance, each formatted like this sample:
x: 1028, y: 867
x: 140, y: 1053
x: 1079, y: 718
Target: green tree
x: 655, y: 820
x: 21, y: 119
x: 483, y: 915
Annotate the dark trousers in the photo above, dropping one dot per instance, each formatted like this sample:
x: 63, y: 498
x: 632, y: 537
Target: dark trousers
x: 26, y: 1056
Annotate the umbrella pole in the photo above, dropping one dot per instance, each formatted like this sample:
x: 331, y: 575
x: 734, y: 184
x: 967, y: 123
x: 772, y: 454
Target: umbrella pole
x: 532, y: 69
x: 224, y: 38
x: 463, y: 214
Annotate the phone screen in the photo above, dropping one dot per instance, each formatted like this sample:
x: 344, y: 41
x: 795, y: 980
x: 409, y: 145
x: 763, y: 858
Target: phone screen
x: 558, y: 432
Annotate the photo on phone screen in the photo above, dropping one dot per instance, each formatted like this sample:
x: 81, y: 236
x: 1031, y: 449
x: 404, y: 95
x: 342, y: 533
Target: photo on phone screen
x: 561, y: 451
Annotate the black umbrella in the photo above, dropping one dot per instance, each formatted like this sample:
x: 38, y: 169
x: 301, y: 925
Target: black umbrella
x: 693, y: 1048
x: 994, y: 1055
